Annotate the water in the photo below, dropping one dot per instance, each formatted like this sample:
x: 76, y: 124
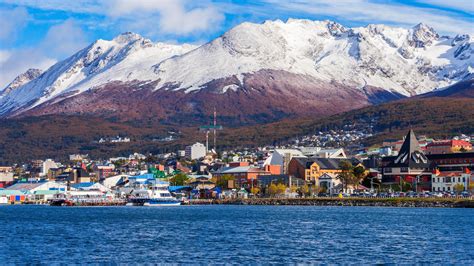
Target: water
x: 235, y: 234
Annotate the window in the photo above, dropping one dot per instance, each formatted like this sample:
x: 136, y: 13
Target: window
x: 388, y: 170
x: 464, y: 180
x: 449, y: 188
x: 404, y: 169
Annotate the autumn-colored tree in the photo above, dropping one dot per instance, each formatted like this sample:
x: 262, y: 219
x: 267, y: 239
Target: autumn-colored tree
x: 304, y: 190
x: 281, y: 188
x: 272, y: 189
x: 255, y: 190
x: 293, y: 189
x: 459, y: 188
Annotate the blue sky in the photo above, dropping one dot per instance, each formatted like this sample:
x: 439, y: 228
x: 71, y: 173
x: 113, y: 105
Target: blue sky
x: 39, y: 33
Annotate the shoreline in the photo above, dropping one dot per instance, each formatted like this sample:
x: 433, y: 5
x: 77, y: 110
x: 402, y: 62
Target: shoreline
x: 375, y: 202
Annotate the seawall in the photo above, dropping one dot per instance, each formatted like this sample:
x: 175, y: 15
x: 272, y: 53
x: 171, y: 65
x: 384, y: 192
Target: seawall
x: 376, y: 202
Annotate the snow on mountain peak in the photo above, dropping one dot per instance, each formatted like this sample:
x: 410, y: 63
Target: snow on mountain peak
x: 21, y: 80
x: 405, y: 61
x: 423, y: 35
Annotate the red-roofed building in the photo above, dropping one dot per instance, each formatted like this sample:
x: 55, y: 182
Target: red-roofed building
x: 448, y: 146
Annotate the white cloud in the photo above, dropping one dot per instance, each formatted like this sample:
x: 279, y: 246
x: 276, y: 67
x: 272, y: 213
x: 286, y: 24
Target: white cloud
x: 372, y: 12
x: 60, y: 41
x: 63, y: 39
x: 18, y: 61
x: 171, y: 17
x: 166, y: 16
x: 13, y: 21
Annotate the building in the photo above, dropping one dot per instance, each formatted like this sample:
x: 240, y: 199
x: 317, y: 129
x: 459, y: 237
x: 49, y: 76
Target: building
x: 331, y: 153
x: 195, y: 151
x: 78, y: 157
x: 282, y: 157
x: 6, y: 176
x: 411, y: 165
x: 266, y: 180
x: 48, y: 164
x: 310, y: 169
x: 452, y: 161
x: 448, y: 146
x: 103, y: 171
x: 243, y: 176
x: 450, y: 181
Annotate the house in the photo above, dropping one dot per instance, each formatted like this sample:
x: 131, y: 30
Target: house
x: 245, y: 175
x: 450, y: 181
x: 448, y: 146
x: 310, y: 169
x: 410, y: 165
x: 329, y: 183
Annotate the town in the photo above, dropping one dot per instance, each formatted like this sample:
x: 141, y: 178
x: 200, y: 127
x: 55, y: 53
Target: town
x: 412, y: 166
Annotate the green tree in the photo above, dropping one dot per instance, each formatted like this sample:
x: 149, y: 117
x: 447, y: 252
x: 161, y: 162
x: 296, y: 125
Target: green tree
x: 223, y: 181
x: 179, y: 179
x: 358, y: 174
x: 346, y: 175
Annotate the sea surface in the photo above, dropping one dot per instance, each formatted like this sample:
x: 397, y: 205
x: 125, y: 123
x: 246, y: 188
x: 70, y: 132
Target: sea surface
x: 235, y: 234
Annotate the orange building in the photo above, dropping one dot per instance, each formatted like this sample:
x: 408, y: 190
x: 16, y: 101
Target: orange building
x: 448, y: 146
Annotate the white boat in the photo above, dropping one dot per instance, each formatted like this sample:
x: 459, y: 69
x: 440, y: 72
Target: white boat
x: 151, y: 192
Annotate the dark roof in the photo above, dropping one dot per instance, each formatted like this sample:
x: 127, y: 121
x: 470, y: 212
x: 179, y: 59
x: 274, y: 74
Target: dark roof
x: 324, y: 163
x: 410, y: 154
x: 451, y: 155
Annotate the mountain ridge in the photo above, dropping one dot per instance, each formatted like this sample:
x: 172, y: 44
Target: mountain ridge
x: 373, y: 64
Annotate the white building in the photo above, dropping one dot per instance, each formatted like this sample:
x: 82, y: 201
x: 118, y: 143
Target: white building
x: 48, y: 164
x: 282, y: 157
x: 195, y: 151
x: 447, y: 181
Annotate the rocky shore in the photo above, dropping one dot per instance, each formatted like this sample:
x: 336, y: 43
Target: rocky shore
x: 377, y: 202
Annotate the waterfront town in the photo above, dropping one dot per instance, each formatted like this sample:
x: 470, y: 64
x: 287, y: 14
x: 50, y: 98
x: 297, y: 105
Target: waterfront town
x: 412, y: 166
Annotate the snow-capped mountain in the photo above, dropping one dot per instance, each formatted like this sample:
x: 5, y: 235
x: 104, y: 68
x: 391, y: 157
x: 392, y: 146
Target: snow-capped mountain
x: 298, y: 66
x: 127, y: 57
x: 21, y: 80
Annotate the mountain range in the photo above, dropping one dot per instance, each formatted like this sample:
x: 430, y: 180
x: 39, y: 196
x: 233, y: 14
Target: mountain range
x: 254, y: 73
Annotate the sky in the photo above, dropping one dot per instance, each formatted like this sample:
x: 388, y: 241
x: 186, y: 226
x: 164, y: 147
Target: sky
x: 39, y: 33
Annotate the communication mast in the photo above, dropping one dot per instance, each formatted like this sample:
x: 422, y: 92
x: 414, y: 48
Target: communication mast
x: 213, y: 127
